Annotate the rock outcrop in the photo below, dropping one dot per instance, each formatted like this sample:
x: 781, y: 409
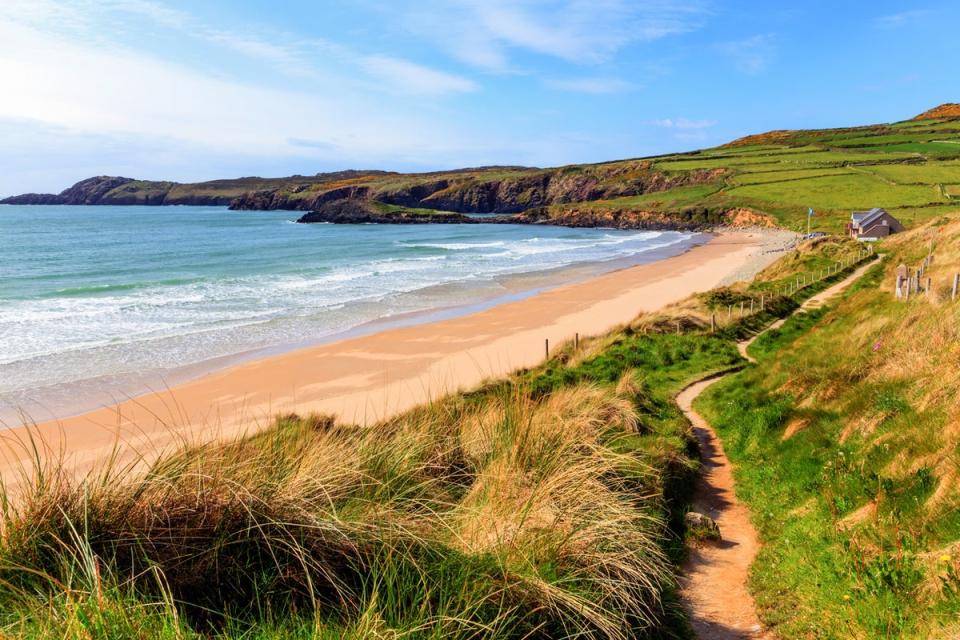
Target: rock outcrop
x: 353, y: 211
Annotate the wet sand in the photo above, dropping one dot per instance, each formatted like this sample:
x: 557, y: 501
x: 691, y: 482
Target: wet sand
x: 367, y: 378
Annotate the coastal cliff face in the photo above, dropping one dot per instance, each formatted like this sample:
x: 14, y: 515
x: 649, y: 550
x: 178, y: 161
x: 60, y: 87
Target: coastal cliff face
x: 686, y: 219
x: 513, y: 191
x: 270, y: 192
x: 89, y: 191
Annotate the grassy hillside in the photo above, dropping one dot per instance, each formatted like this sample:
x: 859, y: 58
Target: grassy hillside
x: 547, y: 504
x: 847, y: 441
x: 911, y: 168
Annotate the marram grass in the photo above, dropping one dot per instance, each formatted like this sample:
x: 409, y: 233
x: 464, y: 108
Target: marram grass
x: 507, y: 517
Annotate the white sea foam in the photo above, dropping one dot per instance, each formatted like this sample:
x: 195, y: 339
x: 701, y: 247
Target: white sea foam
x: 156, y: 290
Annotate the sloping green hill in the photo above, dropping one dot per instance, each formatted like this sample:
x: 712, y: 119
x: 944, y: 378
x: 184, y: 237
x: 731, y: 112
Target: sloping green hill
x: 911, y: 168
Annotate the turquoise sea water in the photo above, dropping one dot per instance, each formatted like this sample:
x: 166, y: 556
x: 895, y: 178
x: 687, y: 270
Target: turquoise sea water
x: 100, y: 303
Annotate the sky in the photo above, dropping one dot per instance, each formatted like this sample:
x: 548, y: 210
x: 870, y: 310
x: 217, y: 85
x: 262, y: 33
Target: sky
x: 202, y: 89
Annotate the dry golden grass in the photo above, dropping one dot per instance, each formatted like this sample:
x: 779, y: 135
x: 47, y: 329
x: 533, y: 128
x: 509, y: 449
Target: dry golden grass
x: 314, y: 514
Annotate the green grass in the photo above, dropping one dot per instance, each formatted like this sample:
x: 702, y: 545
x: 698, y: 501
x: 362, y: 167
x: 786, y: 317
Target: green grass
x: 839, y: 192
x: 825, y: 425
x: 671, y: 200
x: 929, y: 173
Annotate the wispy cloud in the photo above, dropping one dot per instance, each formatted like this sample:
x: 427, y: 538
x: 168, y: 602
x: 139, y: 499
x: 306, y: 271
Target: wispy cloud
x: 751, y: 55
x: 483, y: 33
x: 591, y: 85
x: 416, y: 78
x: 902, y: 18
x: 288, y: 54
x: 684, y: 123
x: 169, y: 101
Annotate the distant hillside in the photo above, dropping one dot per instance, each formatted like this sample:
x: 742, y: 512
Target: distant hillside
x: 112, y: 190
x: 947, y: 110
x: 911, y: 168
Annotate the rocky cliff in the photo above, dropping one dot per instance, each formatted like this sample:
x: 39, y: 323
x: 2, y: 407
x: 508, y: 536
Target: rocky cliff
x: 353, y: 211
x: 89, y: 191
x: 514, y: 192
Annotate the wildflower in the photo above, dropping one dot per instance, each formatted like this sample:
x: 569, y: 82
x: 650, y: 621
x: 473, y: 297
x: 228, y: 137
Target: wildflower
x: 877, y: 345
x: 945, y: 558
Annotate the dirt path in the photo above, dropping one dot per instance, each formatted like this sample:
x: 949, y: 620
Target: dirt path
x: 714, y: 579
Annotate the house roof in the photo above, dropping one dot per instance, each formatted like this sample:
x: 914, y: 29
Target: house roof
x: 864, y: 218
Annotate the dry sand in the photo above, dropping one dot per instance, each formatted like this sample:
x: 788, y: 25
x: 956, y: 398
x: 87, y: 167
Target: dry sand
x: 367, y: 378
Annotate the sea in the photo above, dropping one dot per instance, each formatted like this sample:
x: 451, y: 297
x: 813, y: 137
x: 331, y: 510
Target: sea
x: 102, y: 303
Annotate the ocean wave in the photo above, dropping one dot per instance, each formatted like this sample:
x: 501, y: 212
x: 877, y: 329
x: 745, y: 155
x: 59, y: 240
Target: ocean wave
x: 242, y: 282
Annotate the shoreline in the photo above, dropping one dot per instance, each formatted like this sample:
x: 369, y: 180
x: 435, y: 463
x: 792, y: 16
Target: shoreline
x: 63, y: 400
x: 367, y: 378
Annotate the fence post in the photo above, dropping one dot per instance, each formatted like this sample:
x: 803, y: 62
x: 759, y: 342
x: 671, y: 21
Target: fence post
x: 761, y: 302
x: 751, y: 305
x: 576, y: 341
x: 713, y: 322
x: 729, y: 311
x: 928, y: 287
x: 678, y: 327
x: 741, y: 308
x: 898, y: 293
x: 546, y: 347
x: 956, y: 283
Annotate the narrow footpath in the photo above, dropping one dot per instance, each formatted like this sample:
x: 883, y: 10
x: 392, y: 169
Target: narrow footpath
x: 715, y: 576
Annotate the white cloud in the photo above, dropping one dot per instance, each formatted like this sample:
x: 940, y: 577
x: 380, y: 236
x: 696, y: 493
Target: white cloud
x: 286, y: 53
x: 483, y: 32
x: 66, y: 83
x: 684, y: 123
x: 415, y: 78
x: 594, y: 85
x: 901, y: 19
x: 751, y: 55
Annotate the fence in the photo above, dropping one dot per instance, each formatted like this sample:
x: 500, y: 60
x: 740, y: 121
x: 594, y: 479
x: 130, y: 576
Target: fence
x: 801, y: 281
x: 909, y: 284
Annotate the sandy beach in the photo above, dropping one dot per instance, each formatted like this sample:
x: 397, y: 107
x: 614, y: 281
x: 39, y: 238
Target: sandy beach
x: 368, y: 378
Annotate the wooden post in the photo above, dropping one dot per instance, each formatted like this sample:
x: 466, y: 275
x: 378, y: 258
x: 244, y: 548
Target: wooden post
x: 928, y: 287
x: 678, y: 327
x: 741, y: 308
x: 729, y: 311
x: 751, y: 305
x: 576, y: 341
x: 909, y: 284
x: 713, y: 322
x: 956, y: 284
x: 897, y: 292
x: 761, y: 302
x: 546, y: 347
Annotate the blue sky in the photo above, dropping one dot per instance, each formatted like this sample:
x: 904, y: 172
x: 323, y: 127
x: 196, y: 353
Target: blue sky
x: 194, y: 90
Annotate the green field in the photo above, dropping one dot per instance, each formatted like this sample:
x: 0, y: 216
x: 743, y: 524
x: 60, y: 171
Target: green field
x: 852, y: 191
x: 910, y: 168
